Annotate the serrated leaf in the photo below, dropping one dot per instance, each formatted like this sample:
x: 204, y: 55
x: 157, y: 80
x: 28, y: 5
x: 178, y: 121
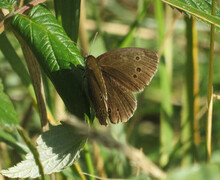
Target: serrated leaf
x: 58, y: 148
x: 57, y: 55
x: 200, y: 9
x: 54, y: 49
x: 8, y: 115
x: 7, y: 4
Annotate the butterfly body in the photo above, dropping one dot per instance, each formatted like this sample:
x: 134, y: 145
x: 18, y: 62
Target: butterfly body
x: 114, y: 76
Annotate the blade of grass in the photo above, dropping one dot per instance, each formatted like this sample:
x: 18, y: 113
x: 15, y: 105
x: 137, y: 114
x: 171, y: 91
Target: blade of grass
x: 190, y: 106
x: 210, y: 90
x: 166, y: 129
x: 168, y: 53
x: 89, y: 162
x: 14, y: 60
x: 98, y: 161
x: 142, y: 10
x: 196, y: 133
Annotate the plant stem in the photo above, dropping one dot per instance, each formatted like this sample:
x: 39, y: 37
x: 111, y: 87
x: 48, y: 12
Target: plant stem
x: 210, y: 90
x: 89, y: 162
x: 166, y: 127
x: 33, y: 151
x: 189, y: 123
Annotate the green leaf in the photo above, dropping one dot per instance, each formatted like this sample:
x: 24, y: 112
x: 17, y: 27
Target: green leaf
x: 47, y: 39
x: 58, y: 148
x: 200, y: 9
x: 8, y: 115
x: 7, y: 4
x: 68, y: 13
x: 11, y: 140
x: 57, y: 55
x: 14, y: 60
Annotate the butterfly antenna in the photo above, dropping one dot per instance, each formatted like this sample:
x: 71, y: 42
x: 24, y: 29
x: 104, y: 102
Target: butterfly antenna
x: 93, y: 41
x: 83, y: 50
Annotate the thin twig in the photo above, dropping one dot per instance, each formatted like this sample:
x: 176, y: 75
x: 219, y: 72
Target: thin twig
x: 21, y: 11
x: 168, y: 34
x: 201, y: 113
x: 97, y: 177
x: 137, y: 158
x: 120, y: 29
x: 216, y: 96
x: 29, y: 6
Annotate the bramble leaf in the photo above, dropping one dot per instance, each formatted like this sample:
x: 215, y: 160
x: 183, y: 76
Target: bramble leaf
x: 58, y: 148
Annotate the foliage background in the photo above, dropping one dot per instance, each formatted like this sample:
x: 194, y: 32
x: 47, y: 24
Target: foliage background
x: 157, y: 128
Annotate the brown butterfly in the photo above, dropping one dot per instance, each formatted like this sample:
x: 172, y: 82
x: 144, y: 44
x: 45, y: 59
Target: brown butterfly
x: 114, y: 76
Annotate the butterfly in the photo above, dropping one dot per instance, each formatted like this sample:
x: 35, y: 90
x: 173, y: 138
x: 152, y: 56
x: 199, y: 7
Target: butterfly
x: 114, y: 76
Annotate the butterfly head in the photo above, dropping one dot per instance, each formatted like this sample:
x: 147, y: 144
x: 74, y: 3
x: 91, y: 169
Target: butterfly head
x: 90, y: 62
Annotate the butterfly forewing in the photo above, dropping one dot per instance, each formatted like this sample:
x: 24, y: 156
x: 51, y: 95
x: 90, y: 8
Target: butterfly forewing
x: 132, y: 67
x: 97, y: 89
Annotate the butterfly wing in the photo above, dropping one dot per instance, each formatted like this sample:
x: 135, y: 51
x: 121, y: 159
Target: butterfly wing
x: 121, y: 102
x: 97, y: 89
x: 132, y: 67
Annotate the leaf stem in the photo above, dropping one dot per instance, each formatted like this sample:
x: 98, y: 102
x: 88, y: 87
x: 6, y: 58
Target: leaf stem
x: 29, y: 6
x: 33, y: 151
x: 77, y: 169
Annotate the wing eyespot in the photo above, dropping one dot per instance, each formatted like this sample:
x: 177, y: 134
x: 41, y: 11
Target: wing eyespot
x: 134, y: 76
x: 137, y: 58
x: 100, y: 95
x: 138, y: 69
x: 109, y: 110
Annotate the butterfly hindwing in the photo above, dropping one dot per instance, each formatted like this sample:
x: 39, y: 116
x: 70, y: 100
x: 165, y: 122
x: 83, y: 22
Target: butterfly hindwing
x: 121, y: 102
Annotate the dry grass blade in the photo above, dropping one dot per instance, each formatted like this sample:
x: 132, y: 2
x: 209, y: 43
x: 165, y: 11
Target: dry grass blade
x: 168, y: 34
x: 35, y: 74
x: 216, y: 96
x: 210, y: 89
x: 209, y: 130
